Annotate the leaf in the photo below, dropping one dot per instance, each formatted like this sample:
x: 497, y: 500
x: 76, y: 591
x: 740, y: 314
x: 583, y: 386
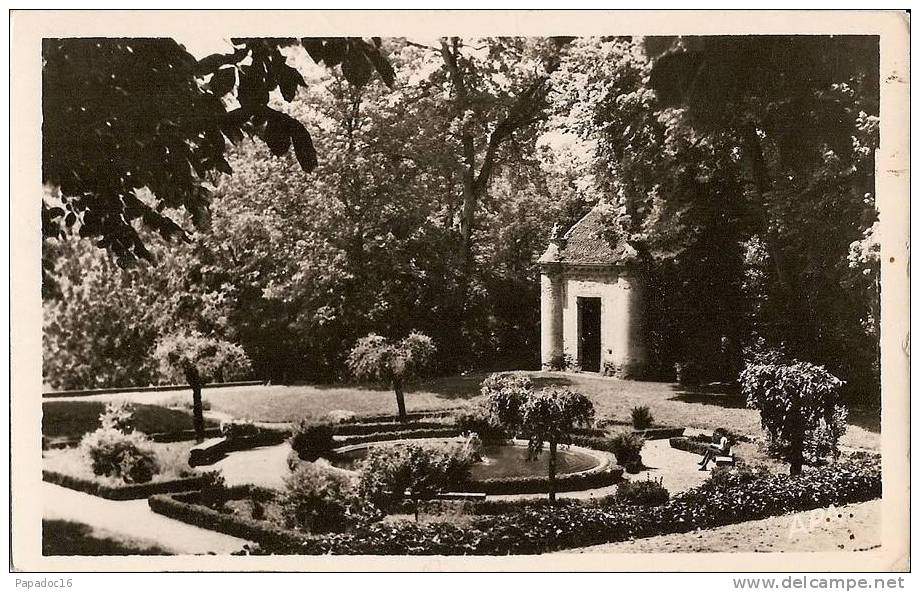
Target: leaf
x: 252, y: 92
x: 223, y: 81
x: 210, y: 63
x: 231, y: 125
x: 356, y: 69
x: 303, y: 147
x: 383, y: 67
x: 288, y: 80
x: 277, y: 133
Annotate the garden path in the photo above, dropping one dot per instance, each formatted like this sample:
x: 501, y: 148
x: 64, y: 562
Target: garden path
x: 135, y: 519
x: 855, y: 527
x: 265, y: 466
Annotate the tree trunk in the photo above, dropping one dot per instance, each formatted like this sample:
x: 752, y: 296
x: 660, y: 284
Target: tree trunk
x: 400, y: 399
x: 194, y: 381
x: 552, y: 472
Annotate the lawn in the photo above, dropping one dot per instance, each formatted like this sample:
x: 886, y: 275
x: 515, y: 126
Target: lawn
x: 64, y: 420
x: 289, y: 403
x: 63, y: 537
x: 670, y: 403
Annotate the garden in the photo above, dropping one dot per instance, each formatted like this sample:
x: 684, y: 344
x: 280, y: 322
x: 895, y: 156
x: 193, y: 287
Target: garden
x: 519, y: 468
x: 358, y: 240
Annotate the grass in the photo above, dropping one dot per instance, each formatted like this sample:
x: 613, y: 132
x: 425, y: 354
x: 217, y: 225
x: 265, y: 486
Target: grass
x: 290, y: 403
x: 669, y: 403
x: 172, y: 457
x: 63, y: 537
x: 65, y: 420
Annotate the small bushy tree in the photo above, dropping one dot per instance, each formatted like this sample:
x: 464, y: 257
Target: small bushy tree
x: 547, y: 416
x: 376, y: 358
x: 198, y: 358
x: 798, y: 404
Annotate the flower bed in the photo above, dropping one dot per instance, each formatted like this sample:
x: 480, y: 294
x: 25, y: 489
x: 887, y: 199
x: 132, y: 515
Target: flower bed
x: 733, y: 497
x: 69, y: 467
x: 199, y: 508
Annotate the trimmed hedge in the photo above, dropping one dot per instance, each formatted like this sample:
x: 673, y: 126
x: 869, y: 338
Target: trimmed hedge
x: 688, y: 445
x: 733, y: 498
x: 444, y: 432
x: 366, y: 428
x: 540, y: 484
x: 127, y: 492
x: 192, y: 508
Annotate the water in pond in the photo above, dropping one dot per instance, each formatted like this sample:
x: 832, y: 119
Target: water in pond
x: 504, y: 461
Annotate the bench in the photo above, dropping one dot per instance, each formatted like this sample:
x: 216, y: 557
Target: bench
x: 725, y: 461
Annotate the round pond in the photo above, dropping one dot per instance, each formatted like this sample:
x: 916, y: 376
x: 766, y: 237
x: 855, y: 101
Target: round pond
x: 500, y: 461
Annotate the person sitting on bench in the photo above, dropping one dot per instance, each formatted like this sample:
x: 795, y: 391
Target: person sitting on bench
x: 719, y: 447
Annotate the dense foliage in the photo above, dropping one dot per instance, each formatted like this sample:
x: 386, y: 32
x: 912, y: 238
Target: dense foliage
x: 750, y: 199
x: 311, y: 438
x: 648, y: 492
x: 318, y: 499
x: 734, y: 497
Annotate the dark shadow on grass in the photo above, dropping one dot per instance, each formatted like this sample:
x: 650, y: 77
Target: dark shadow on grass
x: 733, y: 401
x: 63, y: 537
x: 467, y: 386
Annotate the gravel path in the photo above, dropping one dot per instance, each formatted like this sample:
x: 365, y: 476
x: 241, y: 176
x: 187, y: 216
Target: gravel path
x: 134, y: 519
x: 855, y: 527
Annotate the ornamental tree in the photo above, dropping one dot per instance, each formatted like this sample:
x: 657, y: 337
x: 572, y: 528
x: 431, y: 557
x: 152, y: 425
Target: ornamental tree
x: 548, y: 416
x: 198, y: 359
x: 798, y: 404
x: 378, y: 359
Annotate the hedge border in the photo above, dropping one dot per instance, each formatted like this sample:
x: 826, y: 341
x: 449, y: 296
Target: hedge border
x: 363, y: 428
x: 445, y: 432
x: 190, y: 508
x: 586, y: 480
x: 126, y: 492
x: 687, y: 445
x: 540, y: 530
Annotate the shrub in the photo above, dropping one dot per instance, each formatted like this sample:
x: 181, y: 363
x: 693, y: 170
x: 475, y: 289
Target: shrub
x: 627, y: 448
x: 643, y: 493
x: 118, y: 415
x: 561, y: 363
x: 112, y: 453
x: 504, y: 394
x: 238, y: 429
x: 641, y: 417
x: 738, y: 475
x: 798, y: 408
x: 319, y: 499
x: 389, y: 472
x: 311, y: 438
x: 478, y: 420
